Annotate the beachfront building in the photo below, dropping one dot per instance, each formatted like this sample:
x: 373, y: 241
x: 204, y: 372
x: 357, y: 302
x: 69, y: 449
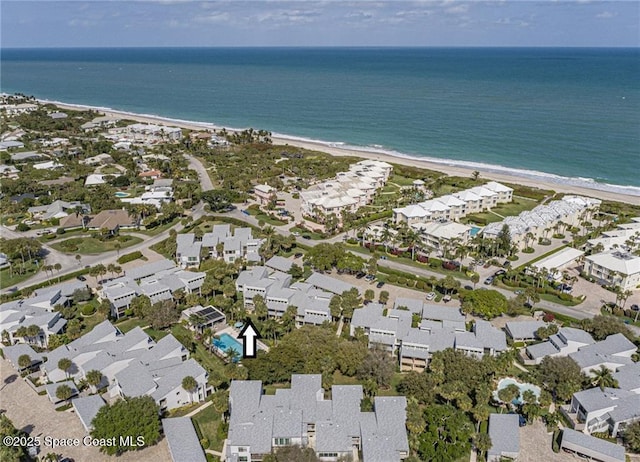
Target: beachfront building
x: 614, y: 268
x: 441, y: 236
x: 223, y: 241
x: 347, y: 192
x: 150, y: 133
x: 440, y: 328
x: 264, y: 194
x: 555, y: 263
x: 543, y: 220
x: 452, y: 207
x: 132, y: 365
x: 157, y: 280
x: 302, y: 416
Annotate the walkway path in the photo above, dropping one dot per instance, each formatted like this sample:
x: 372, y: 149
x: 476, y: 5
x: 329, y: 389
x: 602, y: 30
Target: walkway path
x: 519, y: 366
x: 199, y: 408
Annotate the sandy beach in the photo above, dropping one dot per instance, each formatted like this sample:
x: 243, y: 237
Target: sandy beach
x: 343, y: 151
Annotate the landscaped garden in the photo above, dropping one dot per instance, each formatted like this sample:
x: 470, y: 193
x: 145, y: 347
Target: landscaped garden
x: 92, y: 245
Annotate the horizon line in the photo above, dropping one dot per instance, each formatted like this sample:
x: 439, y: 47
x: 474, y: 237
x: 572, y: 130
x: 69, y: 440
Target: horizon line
x: 321, y: 47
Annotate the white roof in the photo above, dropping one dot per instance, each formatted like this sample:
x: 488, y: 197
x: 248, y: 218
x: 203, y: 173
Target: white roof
x: 558, y: 259
x: 623, y: 263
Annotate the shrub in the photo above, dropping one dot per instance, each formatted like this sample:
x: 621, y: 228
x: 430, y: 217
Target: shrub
x: 435, y: 262
x: 60, y: 231
x: 402, y: 281
x: 23, y: 227
x: 88, y: 309
x: 548, y: 317
x: 130, y: 257
x: 420, y: 285
x: 392, y: 279
x: 410, y: 283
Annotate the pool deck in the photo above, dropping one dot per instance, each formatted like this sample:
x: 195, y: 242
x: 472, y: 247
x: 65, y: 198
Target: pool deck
x: 232, y: 331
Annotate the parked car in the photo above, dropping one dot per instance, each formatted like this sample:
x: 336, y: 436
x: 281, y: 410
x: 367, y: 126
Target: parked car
x: 451, y: 265
x: 430, y: 296
x: 81, y: 278
x: 499, y: 273
x: 506, y: 264
x: 306, y: 236
x: 380, y: 284
x: 635, y: 307
x: 489, y: 280
x: 360, y: 275
x: 298, y: 255
x: 383, y: 257
x: 370, y: 277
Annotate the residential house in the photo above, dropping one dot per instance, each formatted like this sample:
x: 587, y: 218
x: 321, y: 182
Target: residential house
x: 113, y: 221
x: 590, y: 447
x: 221, y: 242
x: 201, y: 318
x: 12, y: 354
x: 157, y: 280
x: 9, y: 172
x: 617, y: 268
x: 598, y: 410
x: 182, y: 440
x: 26, y: 156
x: 452, y: 207
x: 86, y: 408
x: 442, y: 236
x: 504, y: 431
x: 440, y: 328
x: 568, y: 340
x: 57, y: 209
x: 132, y: 365
x: 302, y: 416
x: 613, y: 352
x: 347, y: 192
x: 523, y: 331
x: 264, y: 193
x: 279, y: 293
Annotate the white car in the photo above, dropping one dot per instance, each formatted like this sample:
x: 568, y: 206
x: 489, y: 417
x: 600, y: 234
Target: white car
x: 431, y: 296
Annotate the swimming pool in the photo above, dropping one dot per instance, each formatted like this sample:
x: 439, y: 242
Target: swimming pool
x: 504, y: 383
x: 122, y: 194
x: 226, y: 341
x: 474, y: 230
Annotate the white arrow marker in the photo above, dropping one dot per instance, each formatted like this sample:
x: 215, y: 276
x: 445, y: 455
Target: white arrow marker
x: 249, y: 335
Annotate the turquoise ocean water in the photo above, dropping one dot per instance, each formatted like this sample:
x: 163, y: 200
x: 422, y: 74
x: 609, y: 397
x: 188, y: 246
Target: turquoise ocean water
x: 571, y: 115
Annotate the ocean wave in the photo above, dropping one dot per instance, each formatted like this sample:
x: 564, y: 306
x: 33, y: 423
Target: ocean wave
x: 582, y: 182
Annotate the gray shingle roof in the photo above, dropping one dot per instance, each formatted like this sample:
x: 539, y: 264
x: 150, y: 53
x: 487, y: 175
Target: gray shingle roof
x: 279, y: 263
x: 591, y: 445
x: 182, y: 439
x: 504, y: 432
x: 12, y: 353
x: 86, y: 408
x: 628, y: 377
x: 150, y: 269
x: 329, y: 284
x: 523, y: 329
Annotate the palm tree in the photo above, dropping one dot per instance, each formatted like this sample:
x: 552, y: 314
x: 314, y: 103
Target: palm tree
x: 65, y: 365
x: 189, y: 384
x: 64, y: 392
x: 482, y: 442
x: 33, y: 331
x: 24, y: 361
x: 58, y: 267
x: 94, y: 378
x: 603, y: 378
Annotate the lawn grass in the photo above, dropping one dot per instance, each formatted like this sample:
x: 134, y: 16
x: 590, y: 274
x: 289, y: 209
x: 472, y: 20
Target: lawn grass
x: 7, y: 279
x: 93, y: 246
x: 130, y: 323
x: 89, y: 322
x: 207, y: 422
x: 208, y: 360
x: 401, y: 180
x: 158, y: 229
x: 155, y: 334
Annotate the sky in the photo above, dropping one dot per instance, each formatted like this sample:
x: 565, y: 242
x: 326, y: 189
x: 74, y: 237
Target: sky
x: 178, y: 23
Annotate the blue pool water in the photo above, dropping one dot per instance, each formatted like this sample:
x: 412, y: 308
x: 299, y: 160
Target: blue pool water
x: 474, y: 230
x: 122, y: 194
x: 504, y: 383
x: 226, y: 341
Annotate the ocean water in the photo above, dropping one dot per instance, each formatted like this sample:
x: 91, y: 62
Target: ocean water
x: 571, y: 115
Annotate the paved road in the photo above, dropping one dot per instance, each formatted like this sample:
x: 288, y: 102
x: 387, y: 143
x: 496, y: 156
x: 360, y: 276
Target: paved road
x: 205, y: 180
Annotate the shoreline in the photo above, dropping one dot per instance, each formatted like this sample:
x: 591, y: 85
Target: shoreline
x: 628, y: 194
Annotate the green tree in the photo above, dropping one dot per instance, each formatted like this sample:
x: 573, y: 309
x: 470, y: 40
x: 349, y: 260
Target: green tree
x: 603, y: 378
x: 447, y: 436
x: 509, y: 393
x: 296, y: 272
x: 369, y: 295
x: 561, y: 376
x: 631, y: 437
x: 164, y: 314
x: 485, y: 303
x: 482, y: 442
x: 379, y: 366
x: 126, y: 417
x: 335, y: 306
x: 384, y: 297
x: 260, y: 307
x: 190, y: 385
x: 24, y: 361
x: 64, y: 364
x: 64, y: 392
x: 350, y: 300
x: 94, y: 378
